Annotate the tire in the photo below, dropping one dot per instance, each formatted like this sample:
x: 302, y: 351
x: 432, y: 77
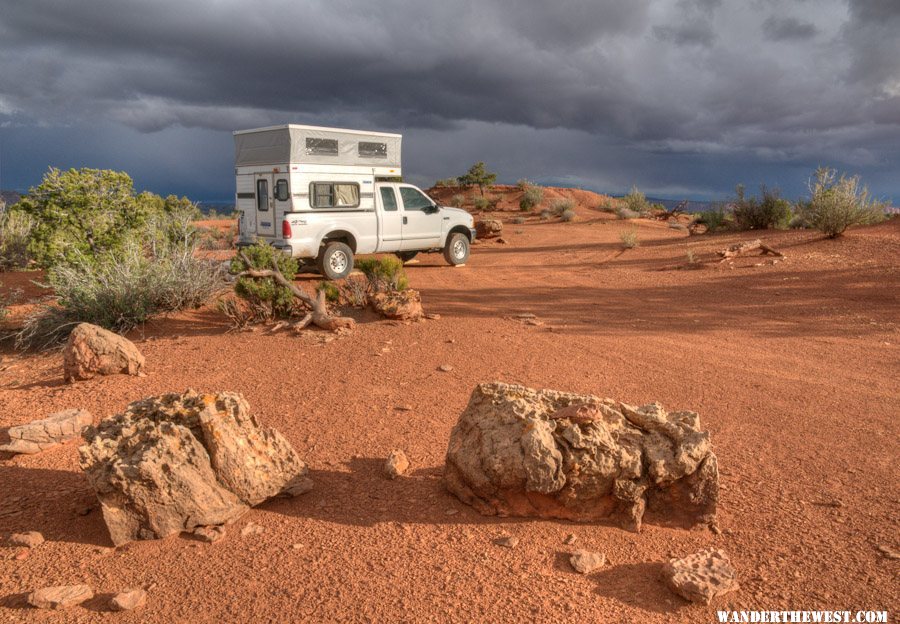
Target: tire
x: 335, y: 260
x: 406, y: 256
x: 456, y: 251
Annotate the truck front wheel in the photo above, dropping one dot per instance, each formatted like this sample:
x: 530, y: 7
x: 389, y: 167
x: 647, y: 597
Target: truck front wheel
x: 456, y: 251
x: 335, y: 260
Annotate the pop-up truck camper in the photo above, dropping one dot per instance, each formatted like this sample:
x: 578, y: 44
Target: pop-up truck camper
x: 323, y: 195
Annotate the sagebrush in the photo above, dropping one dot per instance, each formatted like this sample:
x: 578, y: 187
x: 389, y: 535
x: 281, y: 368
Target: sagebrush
x: 385, y: 274
x: 836, y: 203
x: 769, y: 210
x: 15, y: 233
x: 270, y: 299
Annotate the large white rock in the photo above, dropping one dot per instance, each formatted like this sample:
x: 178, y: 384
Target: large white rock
x: 516, y: 451
x: 179, y: 461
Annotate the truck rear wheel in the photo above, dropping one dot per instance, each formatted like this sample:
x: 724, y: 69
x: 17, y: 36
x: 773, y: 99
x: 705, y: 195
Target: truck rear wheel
x: 456, y: 251
x: 335, y: 260
x: 406, y: 256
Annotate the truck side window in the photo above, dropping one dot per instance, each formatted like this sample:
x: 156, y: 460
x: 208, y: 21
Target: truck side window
x: 414, y: 199
x: 388, y: 199
x: 281, y: 190
x: 262, y: 195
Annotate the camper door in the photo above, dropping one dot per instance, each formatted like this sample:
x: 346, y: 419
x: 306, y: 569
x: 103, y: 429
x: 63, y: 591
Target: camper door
x: 273, y: 199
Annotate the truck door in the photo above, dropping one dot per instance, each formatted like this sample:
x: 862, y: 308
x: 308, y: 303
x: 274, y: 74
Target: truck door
x: 390, y: 230
x: 265, y: 209
x: 421, y: 222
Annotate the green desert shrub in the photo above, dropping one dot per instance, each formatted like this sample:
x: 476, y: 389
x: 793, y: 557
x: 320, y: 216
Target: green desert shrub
x: 560, y: 205
x: 384, y: 274
x: 82, y: 214
x: 532, y: 196
x: 546, y: 213
x: 15, y: 234
x: 518, y: 220
x: 636, y: 201
x: 482, y: 203
x: 769, y: 210
x: 332, y: 292
x: 458, y: 200
x: 626, y: 213
x: 121, y: 289
x: 630, y: 238
x: 567, y: 215
x: 477, y: 175
x: 836, y: 203
x: 714, y: 219
x: 265, y: 293
x: 447, y: 182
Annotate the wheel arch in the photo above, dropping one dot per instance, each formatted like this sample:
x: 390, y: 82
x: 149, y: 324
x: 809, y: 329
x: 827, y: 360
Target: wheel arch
x: 343, y: 236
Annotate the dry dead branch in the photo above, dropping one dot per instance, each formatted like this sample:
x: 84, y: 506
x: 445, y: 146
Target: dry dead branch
x: 318, y: 315
x: 744, y: 248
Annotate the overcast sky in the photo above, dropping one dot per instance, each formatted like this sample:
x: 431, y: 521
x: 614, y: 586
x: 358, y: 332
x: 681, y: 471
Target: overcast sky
x: 684, y: 98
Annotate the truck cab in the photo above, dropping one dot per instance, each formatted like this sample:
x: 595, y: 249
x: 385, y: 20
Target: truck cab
x: 324, y: 195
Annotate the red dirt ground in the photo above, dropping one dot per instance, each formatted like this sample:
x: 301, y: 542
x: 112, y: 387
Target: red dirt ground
x: 793, y: 368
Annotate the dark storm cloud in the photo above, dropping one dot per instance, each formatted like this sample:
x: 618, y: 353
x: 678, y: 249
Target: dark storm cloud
x: 785, y: 28
x: 763, y: 83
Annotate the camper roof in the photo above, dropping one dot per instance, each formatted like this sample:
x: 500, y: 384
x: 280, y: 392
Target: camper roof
x: 296, y: 144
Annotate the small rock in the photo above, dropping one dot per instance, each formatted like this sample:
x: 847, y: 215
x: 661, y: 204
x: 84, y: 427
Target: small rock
x: 888, y: 552
x: 586, y: 562
x: 501, y: 241
x: 715, y: 529
x: 507, y: 541
x: 404, y: 408
x: 445, y: 368
x: 297, y: 546
x: 251, y: 528
x: 60, y: 597
x: 210, y: 534
x: 22, y: 555
x: 433, y: 317
x: 396, y: 464
x: 29, y: 539
x: 451, y: 512
x: 571, y: 538
x: 534, y: 322
x: 524, y: 316
x: 128, y: 600
x: 92, y: 350
x: 702, y: 576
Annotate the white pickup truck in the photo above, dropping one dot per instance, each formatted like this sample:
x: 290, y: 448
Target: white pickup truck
x: 323, y: 195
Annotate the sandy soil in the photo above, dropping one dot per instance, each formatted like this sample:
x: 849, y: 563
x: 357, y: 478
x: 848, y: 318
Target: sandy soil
x: 793, y: 368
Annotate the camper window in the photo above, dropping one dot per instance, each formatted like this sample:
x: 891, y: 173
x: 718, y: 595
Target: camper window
x: 369, y: 149
x: 262, y: 195
x: 334, y: 195
x: 318, y: 147
x: 281, y: 190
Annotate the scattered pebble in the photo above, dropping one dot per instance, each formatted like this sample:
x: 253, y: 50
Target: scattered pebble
x: 445, y: 368
x: 451, y: 512
x: 403, y: 408
x: 396, y: 464
x: 128, y: 600
x: 29, y: 539
x: 297, y: 546
x: 251, y: 528
x: 60, y: 597
x: 433, y: 317
x: 888, y: 552
x: 585, y: 562
x: 571, y: 538
x: 507, y: 541
x: 212, y: 534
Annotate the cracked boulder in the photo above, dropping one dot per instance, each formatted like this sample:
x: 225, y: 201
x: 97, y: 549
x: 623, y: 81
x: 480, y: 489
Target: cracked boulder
x: 176, y: 462
x: 702, y: 576
x: 516, y: 451
x: 403, y: 305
